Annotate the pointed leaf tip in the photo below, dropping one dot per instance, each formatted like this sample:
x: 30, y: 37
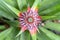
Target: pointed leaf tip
x: 19, y: 33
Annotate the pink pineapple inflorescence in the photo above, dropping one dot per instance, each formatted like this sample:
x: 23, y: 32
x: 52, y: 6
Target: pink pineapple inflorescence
x: 30, y: 20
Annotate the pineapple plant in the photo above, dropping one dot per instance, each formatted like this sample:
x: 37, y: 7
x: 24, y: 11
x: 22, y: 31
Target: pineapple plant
x: 29, y: 19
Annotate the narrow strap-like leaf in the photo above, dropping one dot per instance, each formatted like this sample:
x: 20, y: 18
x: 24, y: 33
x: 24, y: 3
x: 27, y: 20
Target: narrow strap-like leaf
x: 10, y: 7
x: 12, y: 34
x: 42, y: 36
x: 50, y: 34
x: 21, y: 3
x: 48, y: 17
x: 27, y: 35
x: 52, y: 26
x: 19, y: 33
x: 22, y: 36
x: 5, y: 33
x: 36, y: 4
x: 6, y: 15
x: 12, y: 3
x: 34, y: 37
x: 46, y: 4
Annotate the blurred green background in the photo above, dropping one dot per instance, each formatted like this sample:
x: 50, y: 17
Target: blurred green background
x: 49, y: 10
